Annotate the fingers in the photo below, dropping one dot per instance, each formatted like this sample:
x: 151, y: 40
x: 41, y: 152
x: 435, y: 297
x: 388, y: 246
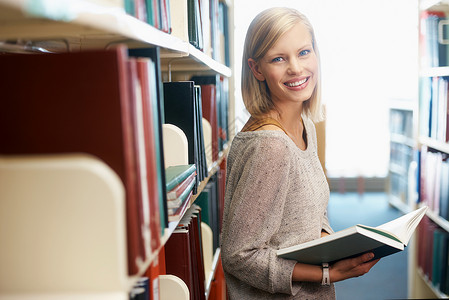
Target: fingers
x: 353, y: 267
x: 365, y: 257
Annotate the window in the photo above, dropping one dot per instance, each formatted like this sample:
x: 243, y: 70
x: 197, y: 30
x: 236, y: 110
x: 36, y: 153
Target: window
x: 368, y: 55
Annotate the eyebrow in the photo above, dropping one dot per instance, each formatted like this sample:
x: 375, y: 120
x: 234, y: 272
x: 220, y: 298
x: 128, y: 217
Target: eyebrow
x: 281, y: 53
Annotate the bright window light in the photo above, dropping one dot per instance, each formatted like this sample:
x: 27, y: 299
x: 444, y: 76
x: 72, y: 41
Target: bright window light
x: 369, y: 57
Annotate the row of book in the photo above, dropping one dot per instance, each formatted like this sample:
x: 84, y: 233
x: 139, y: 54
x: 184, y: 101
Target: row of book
x: 203, y: 23
x: 191, y: 249
x: 434, y: 181
x: 154, y: 12
x: 434, y: 38
x: 189, y: 252
x: 100, y: 103
x: 401, y: 158
x: 401, y: 122
x: 433, y: 108
x: 109, y: 104
x: 433, y: 253
x: 185, y: 250
x: 401, y: 155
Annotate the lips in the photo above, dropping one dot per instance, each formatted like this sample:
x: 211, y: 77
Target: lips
x: 296, y: 83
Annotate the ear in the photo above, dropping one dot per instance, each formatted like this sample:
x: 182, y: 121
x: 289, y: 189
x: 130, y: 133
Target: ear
x: 254, y: 66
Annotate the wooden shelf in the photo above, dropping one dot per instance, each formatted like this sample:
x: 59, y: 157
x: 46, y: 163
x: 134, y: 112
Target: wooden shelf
x: 402, y: 104
x: 435, y: 290
x: 437, y: 145
x: 94, y: 24
x: 434, y: 72
x: 444, y: 224
x: 402, y: 139
x: 399, y: 204
x: 87, y: 26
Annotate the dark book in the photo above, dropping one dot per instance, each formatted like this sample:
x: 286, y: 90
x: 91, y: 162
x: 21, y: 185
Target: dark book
x: 209, y: 106
x: 157, y: 102
x: 153, y: 189
x: 181, y: 110
x: 143, y: 210
x: 202, y: 148
x: 192, y: 222
x: 194, y: 24
x: 178, y: 257
x: 444, y: 276
x: 221, y: 104
x: 208, y: 201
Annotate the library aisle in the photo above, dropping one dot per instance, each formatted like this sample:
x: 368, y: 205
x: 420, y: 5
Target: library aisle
x: 388, y: 278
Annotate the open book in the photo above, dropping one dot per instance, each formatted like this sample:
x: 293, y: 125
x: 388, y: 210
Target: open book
x: 383, y: 240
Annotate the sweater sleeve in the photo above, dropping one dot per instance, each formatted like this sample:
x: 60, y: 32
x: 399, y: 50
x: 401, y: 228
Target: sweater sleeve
x: 256, y: 203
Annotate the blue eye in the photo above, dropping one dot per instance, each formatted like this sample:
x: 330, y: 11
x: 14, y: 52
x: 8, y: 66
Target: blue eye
x: 304, y: 52
x: 277, y: 59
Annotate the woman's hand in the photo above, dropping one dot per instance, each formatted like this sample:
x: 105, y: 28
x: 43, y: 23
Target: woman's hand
x: 351, y: 267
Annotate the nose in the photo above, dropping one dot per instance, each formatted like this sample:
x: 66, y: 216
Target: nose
x: 295, y: 66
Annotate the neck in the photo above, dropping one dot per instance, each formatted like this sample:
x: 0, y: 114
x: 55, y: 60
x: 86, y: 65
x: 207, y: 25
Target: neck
x: 290, y: 119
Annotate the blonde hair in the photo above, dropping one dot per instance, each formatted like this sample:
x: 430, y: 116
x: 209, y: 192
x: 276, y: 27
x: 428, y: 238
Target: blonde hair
x: 263, y: 32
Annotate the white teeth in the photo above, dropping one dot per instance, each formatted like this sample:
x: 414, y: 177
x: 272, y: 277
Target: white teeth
x: 298, y: 83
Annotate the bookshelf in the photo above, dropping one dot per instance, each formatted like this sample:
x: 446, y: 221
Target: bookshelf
x: 77, y: 27
x: 427, y: 256
x: 402, y: 145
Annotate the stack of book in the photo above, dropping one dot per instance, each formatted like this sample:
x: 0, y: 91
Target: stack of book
x: 180, y: 182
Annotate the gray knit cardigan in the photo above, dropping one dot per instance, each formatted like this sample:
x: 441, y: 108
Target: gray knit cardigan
x: 276, y: 197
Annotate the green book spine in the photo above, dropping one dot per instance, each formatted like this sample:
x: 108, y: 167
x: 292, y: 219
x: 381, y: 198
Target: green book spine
x: 130, y: 7
x: 203, y: 202
x: 150, y: 12
x: 174, y: 175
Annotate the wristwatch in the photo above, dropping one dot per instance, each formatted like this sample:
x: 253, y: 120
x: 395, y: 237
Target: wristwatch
x: 326, y: 279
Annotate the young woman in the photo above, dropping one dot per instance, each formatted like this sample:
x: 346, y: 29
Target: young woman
x: 277, y: 193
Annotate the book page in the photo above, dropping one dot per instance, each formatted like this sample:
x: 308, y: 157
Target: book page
x: 385, y: 233
x: 404, y: 226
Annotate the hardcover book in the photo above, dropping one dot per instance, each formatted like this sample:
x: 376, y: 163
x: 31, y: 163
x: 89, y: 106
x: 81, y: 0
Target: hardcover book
x: 383, y: 240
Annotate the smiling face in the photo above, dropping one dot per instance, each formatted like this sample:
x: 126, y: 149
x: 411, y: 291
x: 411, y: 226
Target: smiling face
x: 290, y: 67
